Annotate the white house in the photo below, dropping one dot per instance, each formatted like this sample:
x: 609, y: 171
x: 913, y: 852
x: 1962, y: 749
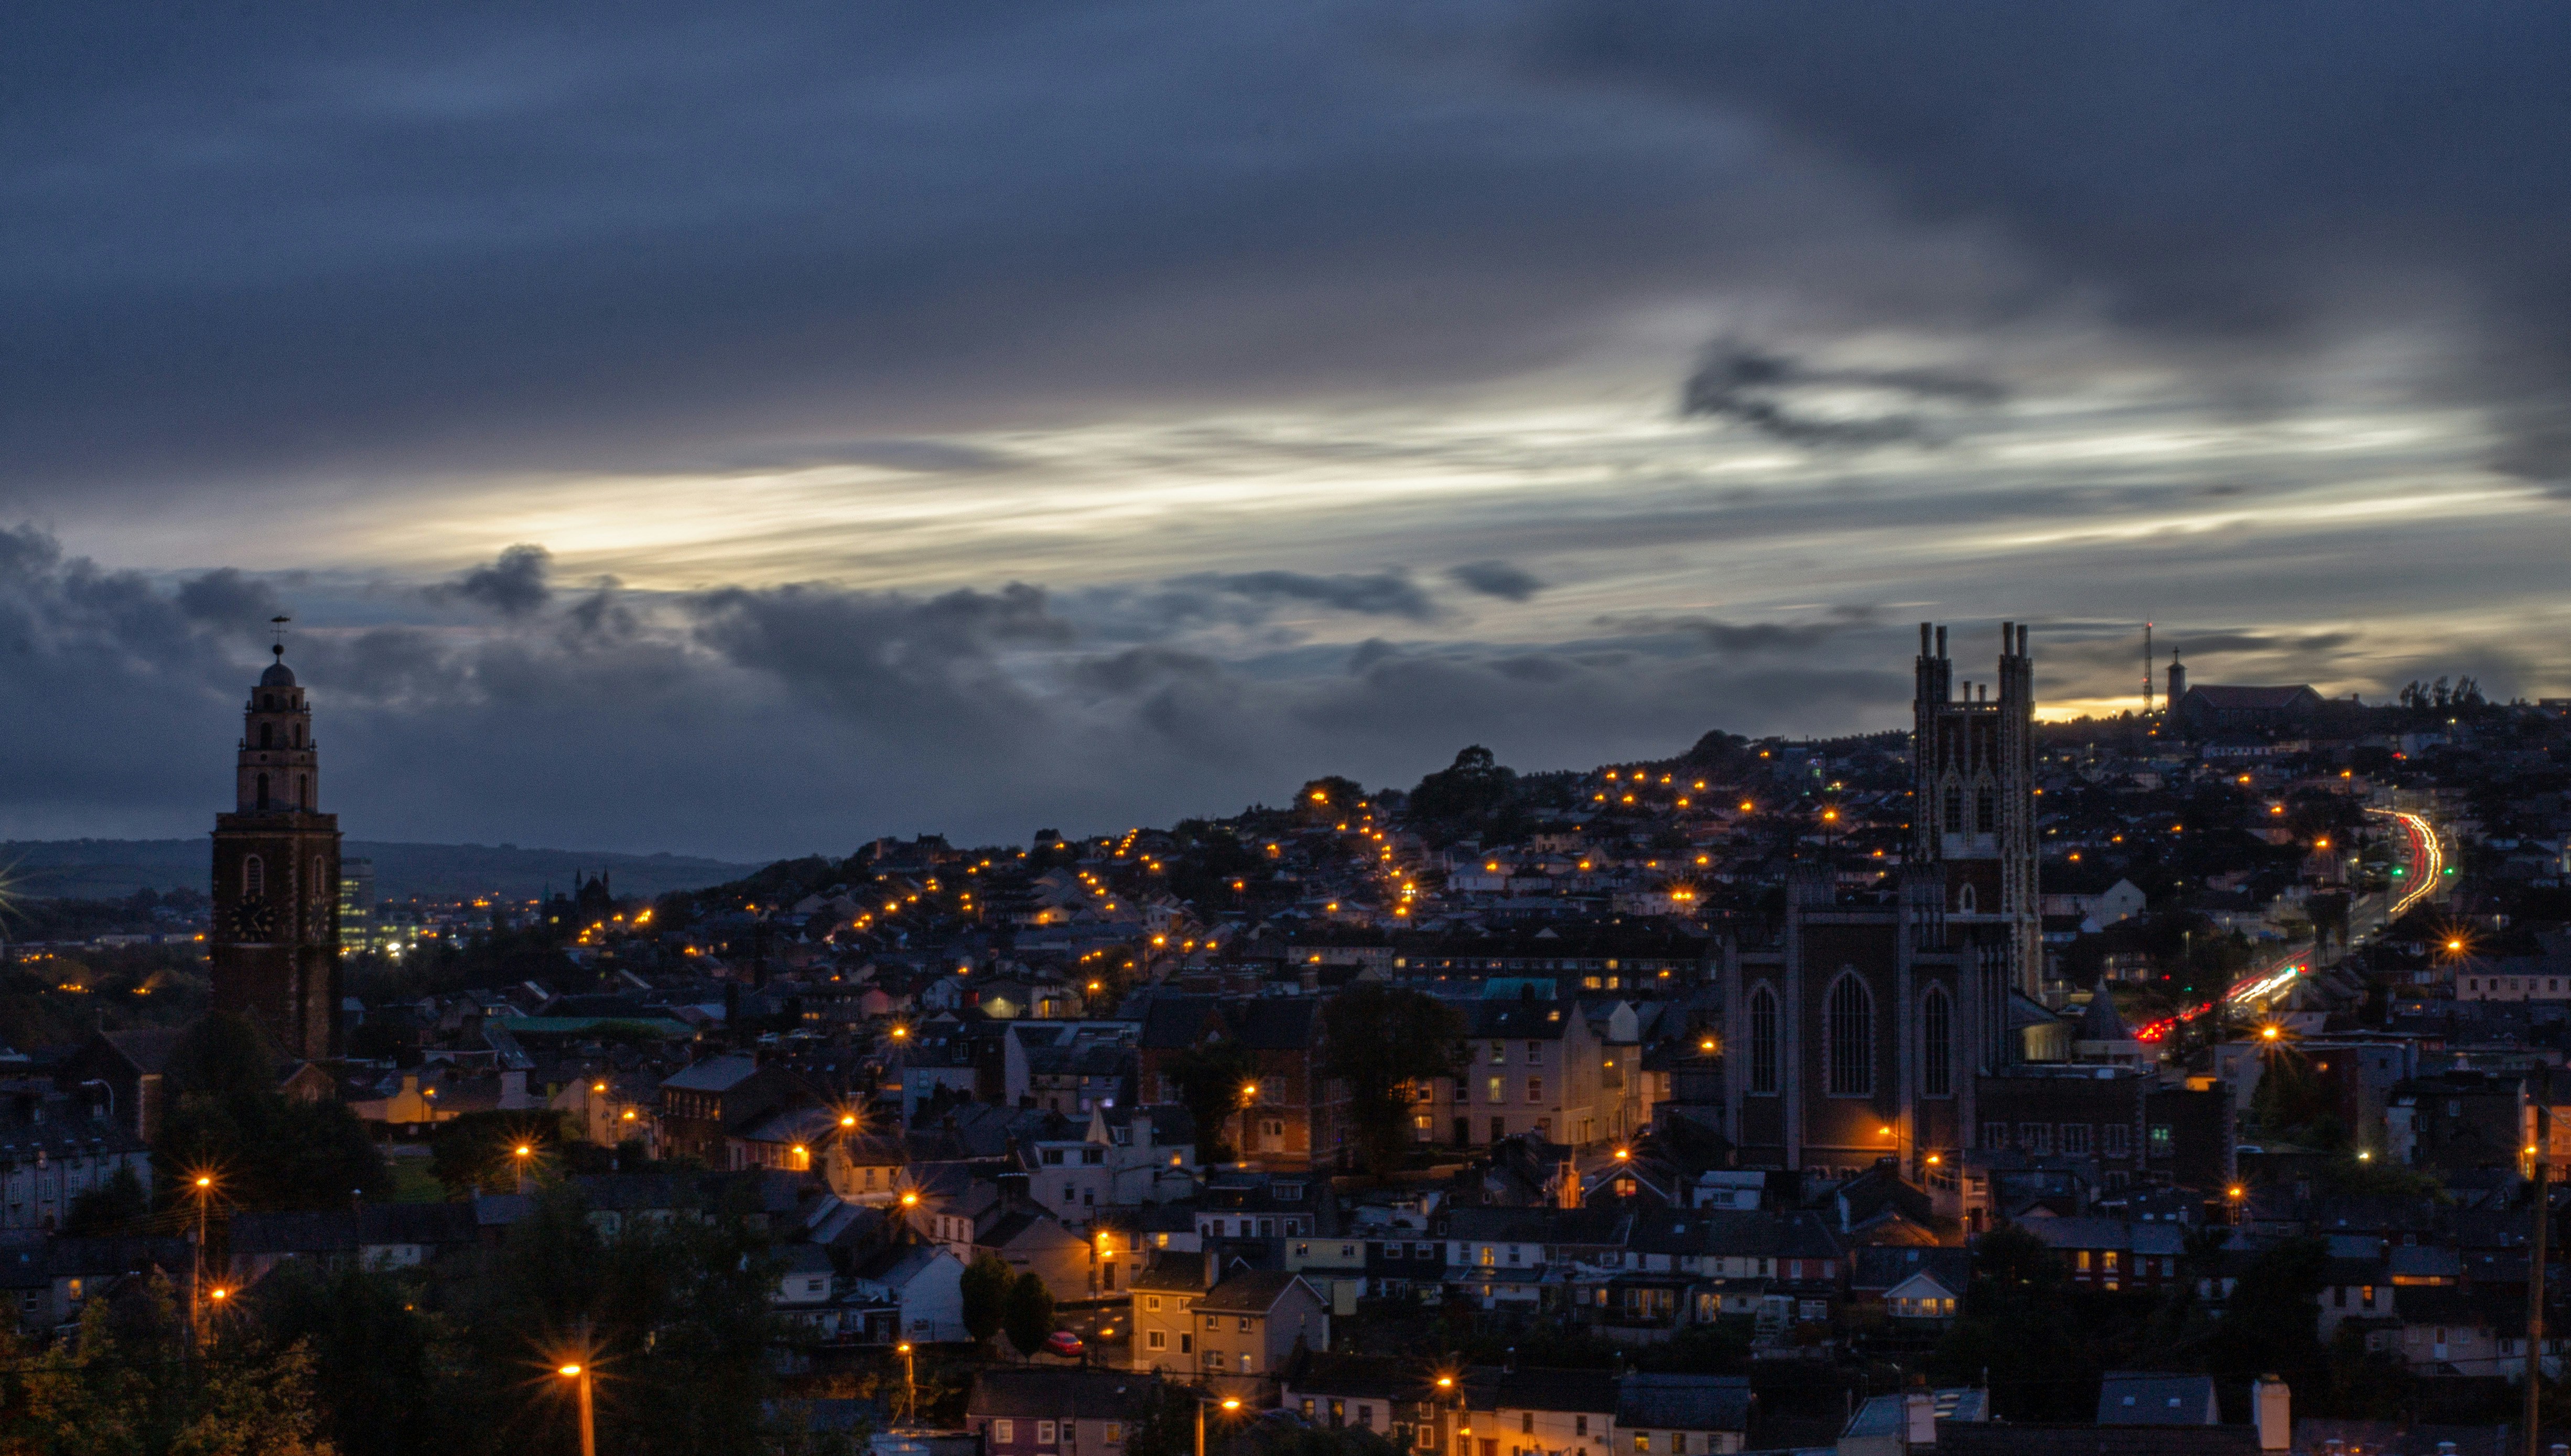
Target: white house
x: 1122, y: 1156
x: 926, y: 1282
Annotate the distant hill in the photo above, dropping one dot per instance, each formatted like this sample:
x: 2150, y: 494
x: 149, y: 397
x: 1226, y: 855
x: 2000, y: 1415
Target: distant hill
x: 109, y: 869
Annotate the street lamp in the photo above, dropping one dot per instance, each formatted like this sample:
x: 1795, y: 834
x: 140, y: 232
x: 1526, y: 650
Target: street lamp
x: 908, y: 1383
x: 578, y: 1370
x: 1231, y: 1403
x: 205, y: 1188
x: 525, y: 1154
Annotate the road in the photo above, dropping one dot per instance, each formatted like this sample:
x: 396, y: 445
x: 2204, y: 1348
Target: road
x: 2422, y: 873
x: 2423, y: 869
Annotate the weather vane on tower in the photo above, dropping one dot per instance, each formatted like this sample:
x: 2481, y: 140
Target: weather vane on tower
x: 278, y: 626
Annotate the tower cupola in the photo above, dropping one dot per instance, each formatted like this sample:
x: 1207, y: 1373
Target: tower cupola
x: 280, y: 764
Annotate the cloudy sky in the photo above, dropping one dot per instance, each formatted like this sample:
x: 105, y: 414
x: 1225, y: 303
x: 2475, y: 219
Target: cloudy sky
x: 751, y: 429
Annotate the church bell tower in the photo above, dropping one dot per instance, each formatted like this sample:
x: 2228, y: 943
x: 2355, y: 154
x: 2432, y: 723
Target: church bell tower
x: 275, y: 940
x: 1973, y: 808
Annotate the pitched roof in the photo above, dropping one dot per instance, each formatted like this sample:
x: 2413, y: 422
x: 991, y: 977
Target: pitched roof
x: 2142, y: 1398
x: 714, y: 1074
x: 1251, y: 1293
x: 1383, y: 1377
x: 147, y: 1049
x: 2236, y: 696
x: 1977, y: 1438
x: 2100, y: 1023
x: 1683, y: 1402
x: 1884, y: 1267
x: 1278, y: 1023
x: 1088, y: 1395
x: 1489, y: 1387
x: 1524, y: 1019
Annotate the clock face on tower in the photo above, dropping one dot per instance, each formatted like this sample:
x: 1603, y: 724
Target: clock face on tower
x: 252, y: 920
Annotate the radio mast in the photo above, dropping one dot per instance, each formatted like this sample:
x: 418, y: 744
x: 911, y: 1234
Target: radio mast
x: 2147, y: 670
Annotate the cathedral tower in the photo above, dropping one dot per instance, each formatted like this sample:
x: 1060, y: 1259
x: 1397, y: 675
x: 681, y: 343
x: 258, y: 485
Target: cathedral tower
x: 276, y: 941
x: 1867, y: 1029
x: 1973, y: 800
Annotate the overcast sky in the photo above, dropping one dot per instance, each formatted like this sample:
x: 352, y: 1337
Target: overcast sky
x: 751, y: 429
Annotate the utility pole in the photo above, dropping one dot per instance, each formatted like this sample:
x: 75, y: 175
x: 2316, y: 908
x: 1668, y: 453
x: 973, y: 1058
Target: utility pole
x: 205, y: 1186
x: 2147, y: 670
x: 2542, y: 1149
x: 909, y: 1385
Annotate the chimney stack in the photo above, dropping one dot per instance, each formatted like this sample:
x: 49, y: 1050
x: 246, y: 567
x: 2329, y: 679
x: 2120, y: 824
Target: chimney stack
x: 1919, y: 1418
x: 2276, y: 1413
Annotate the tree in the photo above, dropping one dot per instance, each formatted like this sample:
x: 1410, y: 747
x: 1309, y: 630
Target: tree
x: 2271, y: 1322
x: 1464, y: 798
x: 1378, y: 1041
x: 126, y: 1386
x: 1211, y: 1079
x: 118, y: 1202
x: 223, y: 1055
x: 269, y: 1151
x: 678, y: 1313
x: 2015, y: 1328
x: 479, y: 1150
x: 985, y: 1287
x: 1027, y: 1313
x: 377, y: 1363
x: 1327, y: 797
x: 2292, y: 1094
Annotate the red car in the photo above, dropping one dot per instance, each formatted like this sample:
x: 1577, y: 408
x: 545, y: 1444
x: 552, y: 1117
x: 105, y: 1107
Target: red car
x: 1063, y: 1342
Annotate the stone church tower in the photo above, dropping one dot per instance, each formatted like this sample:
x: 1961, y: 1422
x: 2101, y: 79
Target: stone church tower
x: 1865, y: 1030
x: 1972, y: 806
x: 276, y: 941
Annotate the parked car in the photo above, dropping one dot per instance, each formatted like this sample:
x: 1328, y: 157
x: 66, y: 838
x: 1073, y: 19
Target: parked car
x: 1063, y: 1342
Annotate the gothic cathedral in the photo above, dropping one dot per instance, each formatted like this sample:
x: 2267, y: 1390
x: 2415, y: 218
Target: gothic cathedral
x: 1860, y: 1031
x: 275, y: 939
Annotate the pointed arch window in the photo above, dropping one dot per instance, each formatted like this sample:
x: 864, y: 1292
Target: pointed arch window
x: 1763, y: 1040
x: 1937, y: 1044
x: 302, y: 791
x: 320, y: 878
x: 1985, y: 809
x: 267, y: 736
x: 1954, y: 817
x: 1964, y: 904
x: 253, y: 878
x: 1851, y: 1037
x: 263, y: 790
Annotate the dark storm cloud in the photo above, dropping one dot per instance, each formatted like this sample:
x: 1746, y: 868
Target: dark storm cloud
x: 2254, y: 177
x: 518, y: 582
x: 231, y: 600
x: 1762, y: 388
x: 1497, y: 578
x: 403, y: 233
x: 762, y: 721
